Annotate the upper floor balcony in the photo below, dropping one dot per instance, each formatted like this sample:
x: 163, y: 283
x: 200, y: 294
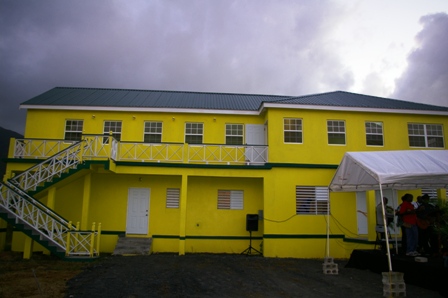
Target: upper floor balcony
x: 97, y: 147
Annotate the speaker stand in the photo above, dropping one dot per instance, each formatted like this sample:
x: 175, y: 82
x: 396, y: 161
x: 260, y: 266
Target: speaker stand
x: 248, y: 251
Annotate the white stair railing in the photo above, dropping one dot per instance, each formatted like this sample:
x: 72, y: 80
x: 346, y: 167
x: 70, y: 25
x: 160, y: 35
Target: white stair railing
x: 48, y: 224
x: 43, y: 172
x: 38, y: 148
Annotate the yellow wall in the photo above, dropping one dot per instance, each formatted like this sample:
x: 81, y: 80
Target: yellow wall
x: 204, y: 219
x: 208, y: 229
x: 315, y: 148
x: 51, y: 124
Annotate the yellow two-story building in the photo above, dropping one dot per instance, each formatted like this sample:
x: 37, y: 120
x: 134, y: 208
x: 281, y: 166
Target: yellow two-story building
x: 201, y: 172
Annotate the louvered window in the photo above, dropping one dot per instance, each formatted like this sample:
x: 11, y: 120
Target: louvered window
x: 432, y: 193
x: 312, y: 200
x: 172, y: 197
x: 230, y: 199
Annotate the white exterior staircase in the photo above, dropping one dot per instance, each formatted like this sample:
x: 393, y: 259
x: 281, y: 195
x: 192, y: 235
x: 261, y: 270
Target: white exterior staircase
x: 38, y: 221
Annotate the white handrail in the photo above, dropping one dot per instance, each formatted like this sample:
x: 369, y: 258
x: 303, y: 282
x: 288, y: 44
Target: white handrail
x: 43, y: 172
x: 104, y: 147
x: 50, y: 226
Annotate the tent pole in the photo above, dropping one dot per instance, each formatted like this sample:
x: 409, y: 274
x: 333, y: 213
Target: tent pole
x: 395, y: 199
x: 385, y: 228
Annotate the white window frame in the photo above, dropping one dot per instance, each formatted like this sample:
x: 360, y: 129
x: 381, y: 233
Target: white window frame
x: 312, y: 200
x: 374, y: 129
x: 194, y: 130
x: 293, y: 130
x: 152, y: 129
x: 420, y: 131
x: 113, y: 126
x: 73, y: 130
x: 234, y: 132
x: 172, y: 198
x: 335, y: 128
x: 230, y: 199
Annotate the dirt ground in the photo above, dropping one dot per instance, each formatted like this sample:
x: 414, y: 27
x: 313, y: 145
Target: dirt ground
x: 192, y: 275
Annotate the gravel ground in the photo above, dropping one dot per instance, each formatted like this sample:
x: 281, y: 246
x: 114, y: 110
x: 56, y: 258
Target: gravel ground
x: 210, y: 275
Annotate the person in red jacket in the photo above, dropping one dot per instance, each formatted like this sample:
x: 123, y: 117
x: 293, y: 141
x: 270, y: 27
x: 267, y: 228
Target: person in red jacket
x: 407, y: 211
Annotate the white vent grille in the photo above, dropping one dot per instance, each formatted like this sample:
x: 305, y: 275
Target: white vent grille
x: 172, y: 197
x: 230, y: 199
x: 312, y: 200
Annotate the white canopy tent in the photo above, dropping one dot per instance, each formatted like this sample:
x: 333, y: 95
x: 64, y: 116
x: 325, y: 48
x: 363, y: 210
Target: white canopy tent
x: 410, y: 169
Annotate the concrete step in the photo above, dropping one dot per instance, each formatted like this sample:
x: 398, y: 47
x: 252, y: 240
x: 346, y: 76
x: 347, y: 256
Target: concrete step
x: 128, y: 246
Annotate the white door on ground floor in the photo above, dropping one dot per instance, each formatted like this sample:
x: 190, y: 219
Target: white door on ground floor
x: 138, y: 211
x: 361, y: 213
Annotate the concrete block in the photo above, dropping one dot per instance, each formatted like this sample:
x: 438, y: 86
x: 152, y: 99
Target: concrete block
x: 331, y: 271
x: 393, y: 284
x: 394, y: 293
x: 329, y: 260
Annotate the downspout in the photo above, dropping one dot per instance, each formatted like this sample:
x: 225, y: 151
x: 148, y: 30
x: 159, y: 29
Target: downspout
x: 328, y: 225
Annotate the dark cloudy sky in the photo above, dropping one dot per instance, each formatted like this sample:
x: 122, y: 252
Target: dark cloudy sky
x: 396, y: 49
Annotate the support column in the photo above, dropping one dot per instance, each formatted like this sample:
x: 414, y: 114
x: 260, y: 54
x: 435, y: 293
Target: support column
x: 50, y: 204
x: 86, y: 202
x: 183, y: 214
x: 28, y: 248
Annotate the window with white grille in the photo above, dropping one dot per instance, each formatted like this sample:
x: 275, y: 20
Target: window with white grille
x: 153, y: 132
x: 113, y: 127
x: 73, y: 130
x: 425, y: 135
x: 336, y: 132
x: 230, y: 199
x: 312, y: 200
x: 234, y: 134
x: 292, y: 130
x: 374, y: 133
x: 194, y: 133
x: 172, y: 197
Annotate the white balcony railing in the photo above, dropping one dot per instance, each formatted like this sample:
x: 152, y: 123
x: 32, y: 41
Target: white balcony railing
x: 104, y: 147
x: 150, y: 152
x: 227, y: 154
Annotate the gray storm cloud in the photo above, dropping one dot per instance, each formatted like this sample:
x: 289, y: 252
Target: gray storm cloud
x: 261, y: 47
x: 426, y: 77
x: 220, y: 46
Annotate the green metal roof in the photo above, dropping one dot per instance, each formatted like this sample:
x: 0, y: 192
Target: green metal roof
x: 126, y: 98
x: 92, y: 97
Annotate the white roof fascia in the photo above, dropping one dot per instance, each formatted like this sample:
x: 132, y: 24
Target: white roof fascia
x: 238, y: 112
x: 348, y: 109
x: 139, y: 109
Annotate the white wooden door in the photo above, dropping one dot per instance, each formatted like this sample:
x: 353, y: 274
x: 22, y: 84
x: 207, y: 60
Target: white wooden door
x: 138, y: 211
x: 361, y: 213
x: 256, y: 135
